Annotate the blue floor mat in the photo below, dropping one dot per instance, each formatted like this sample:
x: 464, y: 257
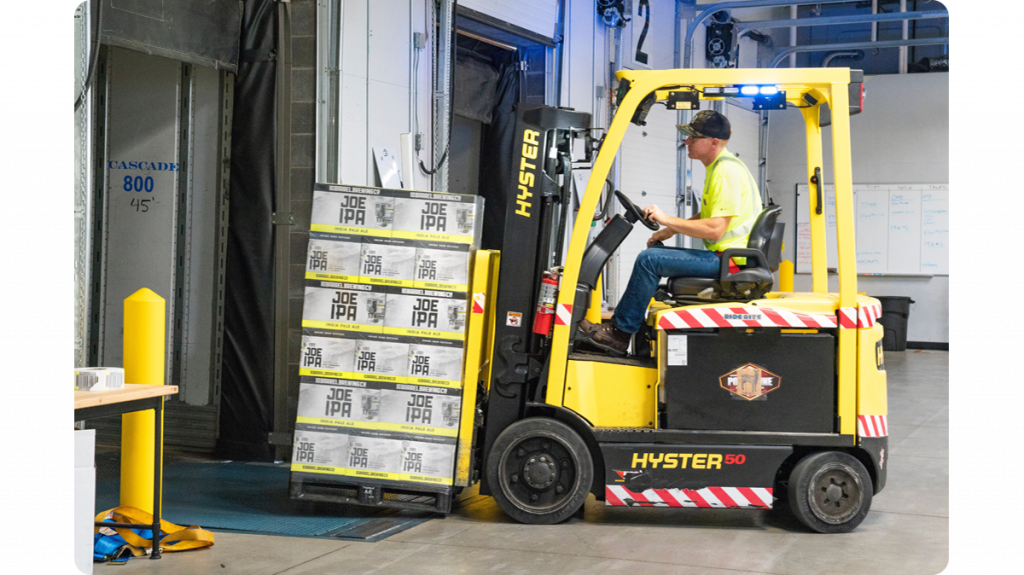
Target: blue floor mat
x: 253, y: 498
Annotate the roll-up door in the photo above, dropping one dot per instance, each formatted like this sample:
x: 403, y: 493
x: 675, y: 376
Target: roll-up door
x: 538, y: 16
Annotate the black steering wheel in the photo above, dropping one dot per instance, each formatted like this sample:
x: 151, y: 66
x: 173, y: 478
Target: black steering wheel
x: 635, y: 212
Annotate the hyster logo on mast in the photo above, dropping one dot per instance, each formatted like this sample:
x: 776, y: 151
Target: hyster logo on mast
x: 526, y: 179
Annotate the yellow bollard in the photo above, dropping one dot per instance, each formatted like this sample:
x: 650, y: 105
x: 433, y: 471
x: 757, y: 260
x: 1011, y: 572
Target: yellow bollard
x: 786, y: 276
x: 144, y: 349
x: 593, y: 314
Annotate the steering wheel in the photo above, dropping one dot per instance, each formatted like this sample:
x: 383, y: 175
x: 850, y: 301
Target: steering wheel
x: 634, y: 211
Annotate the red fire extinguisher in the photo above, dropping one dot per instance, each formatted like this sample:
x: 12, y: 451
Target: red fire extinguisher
x: 545, y: 304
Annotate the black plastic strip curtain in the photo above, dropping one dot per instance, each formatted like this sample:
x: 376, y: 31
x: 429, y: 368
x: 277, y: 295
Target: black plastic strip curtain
x: 247, y: 380
x: 496, y: 154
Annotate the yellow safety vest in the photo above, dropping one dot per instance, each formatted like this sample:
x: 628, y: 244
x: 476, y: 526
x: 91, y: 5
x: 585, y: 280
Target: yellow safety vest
x: 746, y: 200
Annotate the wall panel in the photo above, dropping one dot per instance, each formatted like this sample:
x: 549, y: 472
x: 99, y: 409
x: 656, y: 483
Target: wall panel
x: 142, y: 127
x: 647, y: 157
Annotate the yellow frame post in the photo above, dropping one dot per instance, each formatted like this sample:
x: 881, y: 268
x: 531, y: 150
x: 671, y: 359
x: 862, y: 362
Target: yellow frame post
x: 819, y: 252
x: 843, y: 178
x: 478, y: 332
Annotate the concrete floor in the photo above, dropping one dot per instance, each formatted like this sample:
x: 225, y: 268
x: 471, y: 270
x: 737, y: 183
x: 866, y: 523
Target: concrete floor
x: 906, y: 532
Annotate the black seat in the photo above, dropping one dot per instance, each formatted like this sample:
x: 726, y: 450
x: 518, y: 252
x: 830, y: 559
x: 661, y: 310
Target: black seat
x: 763, y: 253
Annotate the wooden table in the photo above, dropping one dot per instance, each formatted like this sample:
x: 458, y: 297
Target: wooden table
x: 132, y: 397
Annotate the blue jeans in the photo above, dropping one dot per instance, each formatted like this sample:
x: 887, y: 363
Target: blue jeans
x: 651, y: 265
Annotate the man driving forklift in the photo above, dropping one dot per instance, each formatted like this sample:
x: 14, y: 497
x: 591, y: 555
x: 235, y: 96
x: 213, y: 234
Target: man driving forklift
x: 730, y: 204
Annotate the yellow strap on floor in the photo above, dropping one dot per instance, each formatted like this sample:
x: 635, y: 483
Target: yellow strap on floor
x: 173, y: 537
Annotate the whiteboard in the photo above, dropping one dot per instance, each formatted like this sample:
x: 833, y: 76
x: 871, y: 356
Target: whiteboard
x: 900, y: 229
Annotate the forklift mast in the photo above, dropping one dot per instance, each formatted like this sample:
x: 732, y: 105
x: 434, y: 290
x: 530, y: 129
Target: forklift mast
x: 535, y: 222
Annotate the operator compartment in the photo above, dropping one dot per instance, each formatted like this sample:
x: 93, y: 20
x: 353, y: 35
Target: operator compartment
x: 765, y: 379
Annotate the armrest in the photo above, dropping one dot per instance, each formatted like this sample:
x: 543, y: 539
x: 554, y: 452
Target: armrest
x: 723, y: 272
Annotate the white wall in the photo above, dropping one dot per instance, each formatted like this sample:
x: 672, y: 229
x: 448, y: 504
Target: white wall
x: 647, y: 157
x: 901, y: 137
x: 376, y: 62
x: 376, y: 59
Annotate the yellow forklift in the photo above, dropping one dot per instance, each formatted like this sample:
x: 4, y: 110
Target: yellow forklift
x: 736, y: 396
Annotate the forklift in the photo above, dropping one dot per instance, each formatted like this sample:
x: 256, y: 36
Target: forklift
x: 735, y: 396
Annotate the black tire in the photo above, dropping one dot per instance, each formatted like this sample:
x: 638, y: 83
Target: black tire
x: 540, y: 471
x: 830, y: 492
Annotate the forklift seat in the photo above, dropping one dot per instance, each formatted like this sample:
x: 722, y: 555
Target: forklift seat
x: 754, y: 279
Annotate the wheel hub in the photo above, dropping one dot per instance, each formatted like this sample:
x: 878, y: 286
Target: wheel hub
x: 540, y: 471
x: 835, y: 494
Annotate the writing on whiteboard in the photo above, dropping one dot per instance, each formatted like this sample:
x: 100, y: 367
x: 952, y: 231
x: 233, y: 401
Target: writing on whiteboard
x: 898, y: 228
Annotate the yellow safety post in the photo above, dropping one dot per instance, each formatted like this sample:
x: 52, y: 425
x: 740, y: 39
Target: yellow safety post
x: 786, y: 276
x: 144, y: 349
x: 593, y: 314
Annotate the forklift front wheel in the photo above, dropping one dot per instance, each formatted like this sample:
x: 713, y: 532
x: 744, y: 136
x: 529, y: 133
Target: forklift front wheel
x: 542, y: 470
x: 830, y: 492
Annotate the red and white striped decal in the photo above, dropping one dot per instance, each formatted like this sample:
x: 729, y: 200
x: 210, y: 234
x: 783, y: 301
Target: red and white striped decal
x: 563, y: 314
x: 859, y: 317
x: 709, y: 497
x: 478, y: 302
x: 873, y: 425
x: 867, y: 315
x: 847, y: 317
x: 746, y: 316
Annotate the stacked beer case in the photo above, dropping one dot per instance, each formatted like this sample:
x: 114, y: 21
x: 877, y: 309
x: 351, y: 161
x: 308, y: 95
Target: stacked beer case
x: 384, y: 324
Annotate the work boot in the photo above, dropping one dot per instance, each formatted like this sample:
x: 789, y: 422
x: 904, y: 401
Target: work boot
x: 611, y: 339
x: 587, y: 328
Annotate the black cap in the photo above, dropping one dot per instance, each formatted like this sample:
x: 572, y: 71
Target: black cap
x: 707, y: 124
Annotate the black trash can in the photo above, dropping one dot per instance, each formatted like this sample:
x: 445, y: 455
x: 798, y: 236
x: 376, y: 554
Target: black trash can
x: 895, y: 313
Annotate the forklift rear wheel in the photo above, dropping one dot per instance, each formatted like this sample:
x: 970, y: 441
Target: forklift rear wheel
x: 540, y: 471
x: 830, y: 492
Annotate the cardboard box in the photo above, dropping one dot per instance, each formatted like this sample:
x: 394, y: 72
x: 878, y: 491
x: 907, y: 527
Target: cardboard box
x: 333, y: 257
x: 381, y: 358
x: 354, y: 210
x: 327, y: 353
x: 434, y: 216
x: 85, y: 497
x: 441, y: 265
x: 426, y: 313
x: 421, y: 409
x: 373, y: 455
x: 319, y: 450
x: 435, y: 361
x: 387, y: 261
x: 344, y: 306
x: 427, y: 462
x: 338, y: 402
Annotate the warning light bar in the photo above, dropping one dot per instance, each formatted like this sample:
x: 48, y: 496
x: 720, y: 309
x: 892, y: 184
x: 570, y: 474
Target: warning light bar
x: 741, y: 91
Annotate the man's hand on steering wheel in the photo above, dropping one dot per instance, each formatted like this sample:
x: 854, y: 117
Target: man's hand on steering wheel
x: 654, y: 214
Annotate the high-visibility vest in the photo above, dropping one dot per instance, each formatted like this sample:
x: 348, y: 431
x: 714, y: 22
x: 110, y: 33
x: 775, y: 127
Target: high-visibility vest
x: 738, y: 233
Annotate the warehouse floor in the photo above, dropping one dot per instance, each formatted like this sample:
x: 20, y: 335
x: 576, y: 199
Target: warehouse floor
x: 906, y: 533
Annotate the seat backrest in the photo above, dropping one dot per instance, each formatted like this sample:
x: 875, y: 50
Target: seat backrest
x: 764, y: 227
x: 774, y: 254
